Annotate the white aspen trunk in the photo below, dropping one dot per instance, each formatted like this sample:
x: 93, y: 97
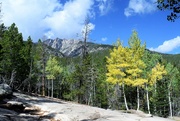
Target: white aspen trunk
x: 147, y: 96
x: 155, y: 109
x: 52, y: 88
x: 94, y: 94
x: 90, y: 98
x: 170, y: 103
x: 125, y: 98
x: 30, y: 74
x: 137, y: 98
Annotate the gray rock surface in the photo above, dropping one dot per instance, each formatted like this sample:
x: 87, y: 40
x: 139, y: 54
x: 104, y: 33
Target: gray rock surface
x: 72, y: 47
x: 5, y: 90
x: 51, y: 109
x: 18, y: 108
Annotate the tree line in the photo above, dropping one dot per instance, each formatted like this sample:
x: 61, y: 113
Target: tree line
x: 121, y: 78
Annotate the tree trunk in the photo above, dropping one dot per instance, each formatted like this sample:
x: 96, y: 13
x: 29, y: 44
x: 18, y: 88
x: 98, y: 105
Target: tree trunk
x: 137, y: 98
x: 52, y: 88
x: 43, y: 77
x: 90, y: 99
x: 94, y: 93
x: 13, y: 74
x: 155, y: 109
x: 48, y: 88
x: 170, y: 103
x: 85, y: 34
x: 125, y: 97
x: 147, y: 96
x: 43, y: 92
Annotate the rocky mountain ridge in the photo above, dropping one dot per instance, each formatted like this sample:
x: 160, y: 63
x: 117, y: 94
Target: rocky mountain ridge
x: 72, y: 47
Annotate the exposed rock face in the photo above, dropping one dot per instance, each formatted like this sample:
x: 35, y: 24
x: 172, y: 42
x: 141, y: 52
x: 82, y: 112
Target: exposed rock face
x: 10, y: 115
x: 51, y: 109
x: 5, y: 90
x: 18, y: 109
x: 15, y: 105
x: 72, y: 47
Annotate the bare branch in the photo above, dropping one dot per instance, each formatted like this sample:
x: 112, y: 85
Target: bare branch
x: 0, y: 12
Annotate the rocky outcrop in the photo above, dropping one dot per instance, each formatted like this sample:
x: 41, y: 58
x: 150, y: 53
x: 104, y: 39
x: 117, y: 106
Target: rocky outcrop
x: 72, y: 47
x: 17, y: 109
x: 39, y: 108
x: 5, y: 90
x: 10, y: 115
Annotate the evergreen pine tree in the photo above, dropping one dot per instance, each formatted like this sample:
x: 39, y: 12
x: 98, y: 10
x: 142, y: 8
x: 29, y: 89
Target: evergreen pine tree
x: 12, y: 45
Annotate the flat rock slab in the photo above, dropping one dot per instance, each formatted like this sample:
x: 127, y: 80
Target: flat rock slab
x: 51, y: 109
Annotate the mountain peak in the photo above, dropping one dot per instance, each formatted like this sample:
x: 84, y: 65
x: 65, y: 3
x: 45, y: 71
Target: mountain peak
x: 73, y: 47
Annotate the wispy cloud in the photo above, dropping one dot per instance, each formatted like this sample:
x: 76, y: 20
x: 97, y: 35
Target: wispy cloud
x: 168, y: 45
x: 47, y: 17
x: 140, y: 7
x: 104, y: 6
x: 69, y: 21
x: 104, y: 39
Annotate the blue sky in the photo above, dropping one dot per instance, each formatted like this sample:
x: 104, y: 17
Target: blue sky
x: 109, y: 20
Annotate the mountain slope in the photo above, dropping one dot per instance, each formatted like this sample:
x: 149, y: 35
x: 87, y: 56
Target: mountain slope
x: 173, y: 58
x: 72, y: 47
x: 50, y: 51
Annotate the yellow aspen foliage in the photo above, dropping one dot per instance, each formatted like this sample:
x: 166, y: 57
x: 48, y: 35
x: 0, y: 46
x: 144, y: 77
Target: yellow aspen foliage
x: 125, y: 65
x: 117, y: 64
x: 135, y: 74
x: 157, y: 73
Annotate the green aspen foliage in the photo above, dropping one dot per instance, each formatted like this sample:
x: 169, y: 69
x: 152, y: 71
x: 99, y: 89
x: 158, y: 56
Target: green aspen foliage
x: 53, y: 68
x: 136, y: 62
x: 172, y: 72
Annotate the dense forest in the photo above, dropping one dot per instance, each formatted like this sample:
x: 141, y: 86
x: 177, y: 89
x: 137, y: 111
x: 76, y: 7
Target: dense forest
x: 120, y: 78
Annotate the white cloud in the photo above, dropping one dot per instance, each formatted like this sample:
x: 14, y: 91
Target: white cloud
x: 104, y: 39
x: 140, y: 7
x: 68, y: 22
x: 47, y: 17
x: 28, y: 15
x: 168, y: 46
x: 104, y: 6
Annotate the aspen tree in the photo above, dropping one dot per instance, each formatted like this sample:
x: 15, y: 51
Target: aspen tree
x: 136, y: 63
x: 172, y: 73
x: 156, y: 74
x: 151, y: 60
x: 116, y: 66
x: 52, y: 69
